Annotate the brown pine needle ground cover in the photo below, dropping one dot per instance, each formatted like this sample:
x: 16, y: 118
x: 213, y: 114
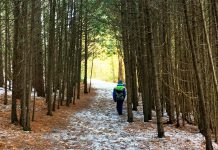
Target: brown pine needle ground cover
x: 13, y: 137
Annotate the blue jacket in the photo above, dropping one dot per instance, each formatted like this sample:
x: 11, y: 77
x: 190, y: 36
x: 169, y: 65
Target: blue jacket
x: 119, y: 87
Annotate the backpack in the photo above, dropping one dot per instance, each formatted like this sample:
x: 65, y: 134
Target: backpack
x: 119, y: 95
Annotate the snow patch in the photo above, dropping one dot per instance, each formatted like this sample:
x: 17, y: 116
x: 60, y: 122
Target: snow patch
x: 100, y: 127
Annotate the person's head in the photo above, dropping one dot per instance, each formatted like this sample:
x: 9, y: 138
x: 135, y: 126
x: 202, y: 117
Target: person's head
x: 120, y: 82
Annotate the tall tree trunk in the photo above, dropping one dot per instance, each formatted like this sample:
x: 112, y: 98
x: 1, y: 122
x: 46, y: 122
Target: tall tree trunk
x: 131, y: 7
x: 86, y: 52
x: 24, y: 46
x: 79, y: 48
x: 1, y: 52
x: 9, y: 70
x: 64, y: 49
x: 17, y: 77
x: 71, y: 59
x: 166, y: 56
x: 45, y: 47
x: 154, y: 71
x: 124, y: 23
x: 51, y: 47
x: 60, y: 52
x: 37, y: 49
x: 29, y: 89
x: 142, y: 62
x: 6, y: 49
x: 73, y: 48
x: 176, y: 67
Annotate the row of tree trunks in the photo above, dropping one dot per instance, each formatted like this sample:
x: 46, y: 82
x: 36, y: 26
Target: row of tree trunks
x: 139, y: 51
x: 168, y: 73
x: 36, y: 46
x: 140, y: 45
x: 198, y: 74
x: 46, y: 56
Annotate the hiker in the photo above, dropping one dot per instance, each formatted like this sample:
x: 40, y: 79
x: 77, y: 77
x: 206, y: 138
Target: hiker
x: 119, y: 94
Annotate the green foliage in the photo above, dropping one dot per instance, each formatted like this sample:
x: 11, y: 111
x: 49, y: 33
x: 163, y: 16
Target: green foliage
x: 103, y: 35
x: 100, y: 30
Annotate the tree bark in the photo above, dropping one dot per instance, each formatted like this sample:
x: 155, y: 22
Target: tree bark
x: 17, y: 76
x: 160, y: 128
x: 24, y: 46
x: 51, y: 47
x: 132, y: 16
x: 79, y: 48
x: 6, y: 49
x: 86, y: 52
x: 38, y: 50
x: 1, y: 53
x: 124, y: 23
x: 142, y: 65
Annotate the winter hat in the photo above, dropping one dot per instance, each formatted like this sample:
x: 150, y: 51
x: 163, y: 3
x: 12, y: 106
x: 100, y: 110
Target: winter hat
x: 120, y: 82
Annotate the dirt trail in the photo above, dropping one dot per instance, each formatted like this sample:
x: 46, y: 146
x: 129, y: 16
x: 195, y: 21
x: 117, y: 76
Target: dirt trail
x: 93, y: 124
x: 100, y: 127
x: 96, y: 127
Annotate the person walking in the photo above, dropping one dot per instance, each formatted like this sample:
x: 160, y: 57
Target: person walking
x: 119, y: 94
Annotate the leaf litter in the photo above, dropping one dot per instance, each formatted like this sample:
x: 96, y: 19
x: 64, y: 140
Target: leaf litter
x: 93, y: 123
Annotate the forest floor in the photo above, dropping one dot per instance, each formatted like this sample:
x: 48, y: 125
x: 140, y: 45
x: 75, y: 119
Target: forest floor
x: 93, y: 123
x: 13, y: 137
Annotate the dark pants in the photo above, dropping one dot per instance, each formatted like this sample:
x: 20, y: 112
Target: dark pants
x: 120, y: 107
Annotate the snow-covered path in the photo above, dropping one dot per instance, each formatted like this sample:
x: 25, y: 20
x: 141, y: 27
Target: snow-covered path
x: 99, y: 127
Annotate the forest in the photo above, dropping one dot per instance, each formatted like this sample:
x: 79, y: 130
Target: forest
x: 166, y: 51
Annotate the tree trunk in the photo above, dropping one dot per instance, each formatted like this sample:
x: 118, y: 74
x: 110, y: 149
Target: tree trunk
x: 86, y: 52
x: 124, y: 22
x: 38, y: 50
x: 166, y: 56
x: 131, y: 7
x: 24, y: 46
x: 142, y: 62
x: 1, y: 52
x: 154, y: 71
x: 51, y: 47
x: 6, y: 49
x: 60, y: 53
x: 79, y: 48
x: 17, y: 77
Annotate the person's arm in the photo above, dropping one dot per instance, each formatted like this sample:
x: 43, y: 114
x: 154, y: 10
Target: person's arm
x: 124, y: 93
x: 114, y: 95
